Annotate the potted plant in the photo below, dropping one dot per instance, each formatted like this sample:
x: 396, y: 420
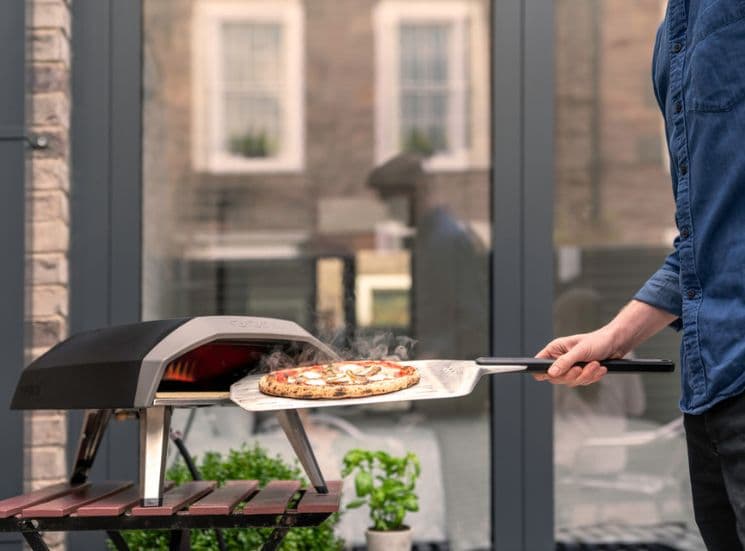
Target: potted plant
x: 386, y: 485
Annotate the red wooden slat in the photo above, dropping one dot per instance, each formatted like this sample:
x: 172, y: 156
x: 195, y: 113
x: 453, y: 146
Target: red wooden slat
x: 272, y: 500
x: 116, y: 504
x: 178, y: 498
x: 63, y: 506
x: 223, y: 500
x: 14, y: 505
x: 313, y: 502
x: 113, y: 505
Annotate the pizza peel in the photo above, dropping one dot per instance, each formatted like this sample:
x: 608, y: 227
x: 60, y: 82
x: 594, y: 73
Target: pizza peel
x: 438, y: 379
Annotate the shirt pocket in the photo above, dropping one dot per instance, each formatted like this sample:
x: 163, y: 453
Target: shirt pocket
x: 716, y: 68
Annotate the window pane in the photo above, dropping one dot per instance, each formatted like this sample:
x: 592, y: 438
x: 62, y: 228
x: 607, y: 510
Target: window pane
x: 613, y: 228
x: 252, y: 88
x: 374, y: 256
x: 425, y: 87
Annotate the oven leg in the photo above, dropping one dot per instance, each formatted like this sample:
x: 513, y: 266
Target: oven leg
x: 290, y: 422
x: 94, y: 425
x: 154, y: 425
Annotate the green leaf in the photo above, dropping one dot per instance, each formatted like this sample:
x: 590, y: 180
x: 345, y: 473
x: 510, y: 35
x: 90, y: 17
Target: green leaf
x: 363, y: 483
x: 355, y: 503
x: 411, y: 503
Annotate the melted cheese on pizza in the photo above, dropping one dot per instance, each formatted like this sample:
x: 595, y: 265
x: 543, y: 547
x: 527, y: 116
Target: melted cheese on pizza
x: 340, y: 374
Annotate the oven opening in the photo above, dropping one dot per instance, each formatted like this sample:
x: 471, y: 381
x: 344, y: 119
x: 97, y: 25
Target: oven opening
x: 214, y: 366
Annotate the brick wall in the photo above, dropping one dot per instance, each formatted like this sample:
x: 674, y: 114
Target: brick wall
x: 609, y: 138
x: 48, y: 224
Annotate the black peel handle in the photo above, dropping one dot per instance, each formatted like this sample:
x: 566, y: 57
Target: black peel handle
x: 540, y: 365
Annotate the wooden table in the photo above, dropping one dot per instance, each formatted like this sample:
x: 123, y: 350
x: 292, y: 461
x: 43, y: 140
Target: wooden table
x: 114, y: 506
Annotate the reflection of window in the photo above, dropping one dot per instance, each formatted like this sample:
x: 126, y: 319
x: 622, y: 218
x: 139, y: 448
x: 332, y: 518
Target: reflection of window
x: 390, y: 308
x: 383, y: 300
x: 425, y: 81
x: 247, y: 86
x: 426, y: 89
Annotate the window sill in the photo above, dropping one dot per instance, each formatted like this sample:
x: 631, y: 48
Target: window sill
x: 224, y: 164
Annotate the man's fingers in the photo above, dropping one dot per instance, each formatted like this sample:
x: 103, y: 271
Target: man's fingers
x: 569, y: 378
x: 566, y: 361
x: 600, y: 374
x: 590, y: 373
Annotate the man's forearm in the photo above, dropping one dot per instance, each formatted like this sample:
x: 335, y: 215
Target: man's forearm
x: 637, y: 322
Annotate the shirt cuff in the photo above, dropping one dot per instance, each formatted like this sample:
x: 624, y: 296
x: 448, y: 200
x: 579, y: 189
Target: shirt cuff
x: 662, y: 291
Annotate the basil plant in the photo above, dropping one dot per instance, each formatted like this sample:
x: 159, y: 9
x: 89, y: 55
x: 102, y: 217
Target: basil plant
x: 385, y: 483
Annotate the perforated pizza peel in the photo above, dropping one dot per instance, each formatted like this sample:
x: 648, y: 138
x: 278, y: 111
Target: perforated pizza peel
x: 438, y: 379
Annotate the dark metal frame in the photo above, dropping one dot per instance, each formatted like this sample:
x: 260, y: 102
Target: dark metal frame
x: 178, y: 525
x: 105, y: 248
x: 521, y: 289
x: 12, y: 239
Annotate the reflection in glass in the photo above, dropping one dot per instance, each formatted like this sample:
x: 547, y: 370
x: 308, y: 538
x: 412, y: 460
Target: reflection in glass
x: 327, y: 162
x: 620, y: 461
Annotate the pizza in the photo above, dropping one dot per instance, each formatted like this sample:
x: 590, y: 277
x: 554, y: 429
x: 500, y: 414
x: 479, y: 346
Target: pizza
x: 338, y: 380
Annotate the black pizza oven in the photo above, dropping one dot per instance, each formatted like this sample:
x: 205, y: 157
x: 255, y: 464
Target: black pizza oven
x: 148, y: 368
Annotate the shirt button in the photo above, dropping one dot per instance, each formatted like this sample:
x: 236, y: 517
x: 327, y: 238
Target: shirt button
x: 691, y: 294
x: 685, y: 233
x: 683, y: 169
x: 677, y: 46
x: 678, y: 106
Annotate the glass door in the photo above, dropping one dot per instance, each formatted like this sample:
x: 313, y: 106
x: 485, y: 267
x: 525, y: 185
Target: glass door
x: 619, y: 452
x: 329, y: 163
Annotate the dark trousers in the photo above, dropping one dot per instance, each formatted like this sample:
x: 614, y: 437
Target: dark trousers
x: 716, y: 459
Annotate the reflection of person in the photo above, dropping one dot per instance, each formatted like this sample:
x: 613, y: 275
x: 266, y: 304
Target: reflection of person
x: 596, y: 410
x: 700, y: 86
x: 449, y: 265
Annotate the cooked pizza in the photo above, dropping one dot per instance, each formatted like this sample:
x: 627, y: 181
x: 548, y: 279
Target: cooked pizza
x: 338, y: 380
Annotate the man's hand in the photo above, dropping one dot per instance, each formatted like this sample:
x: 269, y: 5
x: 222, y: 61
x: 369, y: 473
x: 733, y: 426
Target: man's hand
x: 587, y: 347
x: 633, y: 325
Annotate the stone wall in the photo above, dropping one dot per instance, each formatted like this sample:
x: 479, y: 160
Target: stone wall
x: 49, y: 99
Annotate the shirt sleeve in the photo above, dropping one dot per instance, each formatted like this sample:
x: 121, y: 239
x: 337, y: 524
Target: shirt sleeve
x: 662, y: 290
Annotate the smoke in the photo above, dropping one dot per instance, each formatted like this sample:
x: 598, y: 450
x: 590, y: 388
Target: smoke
x: 381, y: 346
x: 277, y: 360
x: 282, y: 359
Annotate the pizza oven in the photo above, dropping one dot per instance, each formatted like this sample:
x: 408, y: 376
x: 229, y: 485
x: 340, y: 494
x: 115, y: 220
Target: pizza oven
x: 146, y: 369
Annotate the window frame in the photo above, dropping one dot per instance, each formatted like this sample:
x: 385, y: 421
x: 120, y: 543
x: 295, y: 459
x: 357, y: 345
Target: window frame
x: 207, y: 108
x: 13, y: 219
x: 468, y: 127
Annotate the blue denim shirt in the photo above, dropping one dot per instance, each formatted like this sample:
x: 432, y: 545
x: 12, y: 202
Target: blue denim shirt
x: 699, y: 81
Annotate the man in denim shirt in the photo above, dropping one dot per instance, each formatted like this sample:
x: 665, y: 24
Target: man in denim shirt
x: 699, y: 82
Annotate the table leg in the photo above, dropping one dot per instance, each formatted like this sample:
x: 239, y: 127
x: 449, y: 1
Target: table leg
x: 275, y: 538
x: 180, y: 541
x: 118, y: 541
x: 33, y: 537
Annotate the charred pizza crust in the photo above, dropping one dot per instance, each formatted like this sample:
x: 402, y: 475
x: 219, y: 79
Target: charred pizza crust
x: 286, y: 383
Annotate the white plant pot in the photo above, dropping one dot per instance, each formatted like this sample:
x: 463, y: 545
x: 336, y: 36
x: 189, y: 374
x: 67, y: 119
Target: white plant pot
x: 393, y: 540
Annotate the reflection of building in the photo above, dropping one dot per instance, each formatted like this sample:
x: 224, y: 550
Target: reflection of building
x: 263, y: 120
x: 612, y: 184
